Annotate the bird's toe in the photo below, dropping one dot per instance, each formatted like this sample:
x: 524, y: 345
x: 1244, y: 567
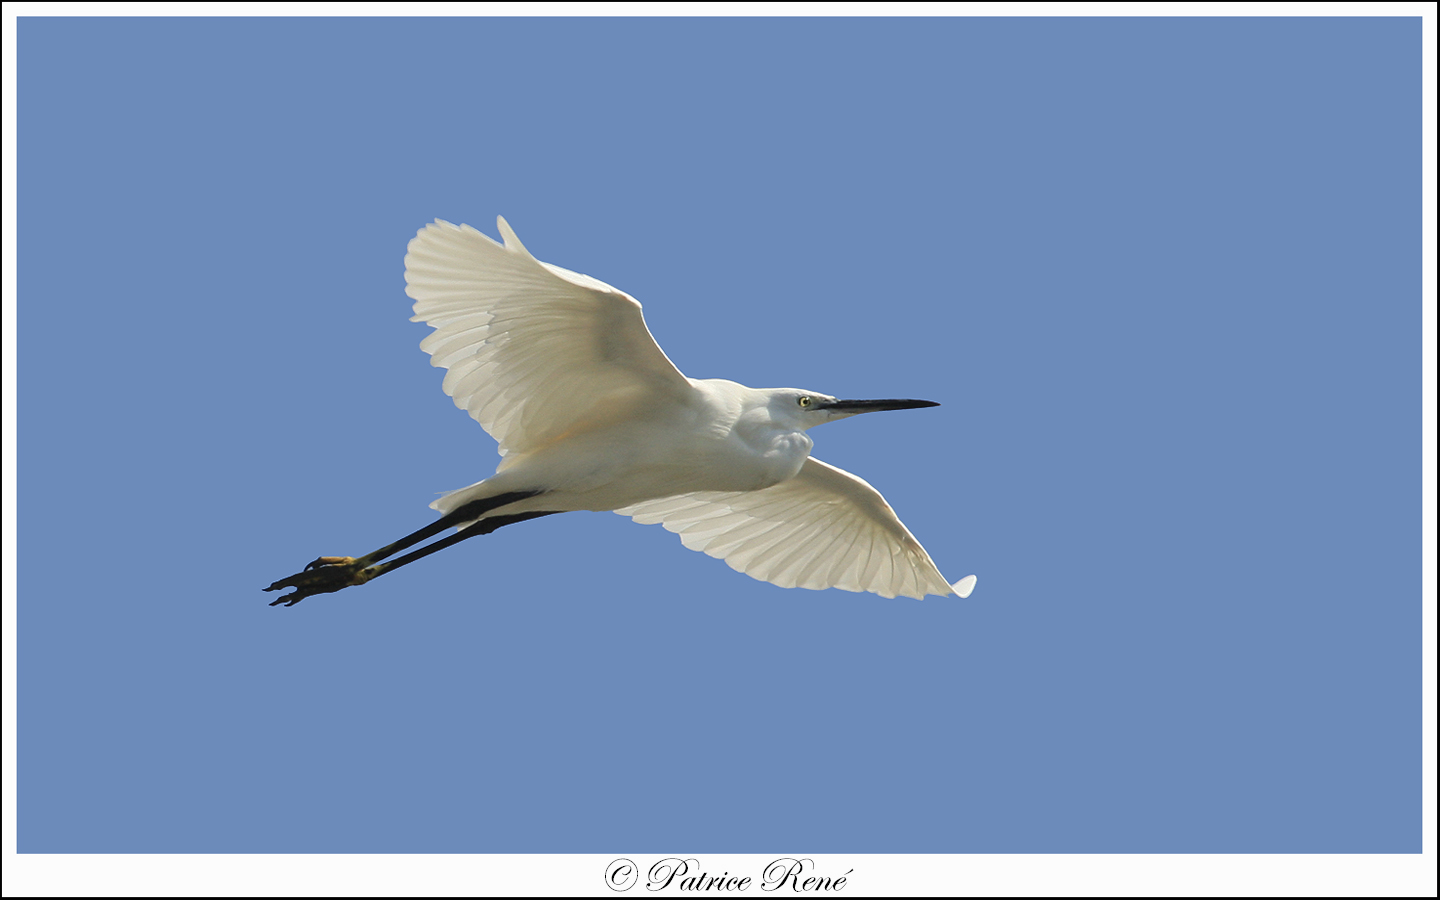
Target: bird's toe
x: 325, y: 575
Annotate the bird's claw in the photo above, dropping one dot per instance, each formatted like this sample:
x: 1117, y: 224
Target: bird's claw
x: 325, y: 575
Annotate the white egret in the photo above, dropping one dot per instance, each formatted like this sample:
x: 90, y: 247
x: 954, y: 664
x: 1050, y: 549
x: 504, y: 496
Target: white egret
x: 591, y: 414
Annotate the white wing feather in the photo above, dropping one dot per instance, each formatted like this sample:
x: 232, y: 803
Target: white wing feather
x: 823, y: 528
x: 534, y: 350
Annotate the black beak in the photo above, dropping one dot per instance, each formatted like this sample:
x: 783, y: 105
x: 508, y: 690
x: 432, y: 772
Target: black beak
x: 864, y: 406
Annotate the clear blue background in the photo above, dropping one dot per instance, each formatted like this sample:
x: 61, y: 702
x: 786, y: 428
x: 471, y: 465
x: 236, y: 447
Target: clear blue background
x: 1163, y: 274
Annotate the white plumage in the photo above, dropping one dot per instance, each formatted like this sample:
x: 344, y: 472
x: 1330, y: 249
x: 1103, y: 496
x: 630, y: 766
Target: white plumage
x: 533, y: 350
x: 588, y: 410
x: 823, y: 528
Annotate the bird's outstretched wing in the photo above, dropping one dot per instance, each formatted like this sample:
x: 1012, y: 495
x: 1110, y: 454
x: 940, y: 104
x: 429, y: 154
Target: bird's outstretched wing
x: 534, y: 351
x: 823, y: 528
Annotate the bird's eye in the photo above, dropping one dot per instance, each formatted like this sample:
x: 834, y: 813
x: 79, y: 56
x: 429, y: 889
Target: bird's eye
x: 805, y: 401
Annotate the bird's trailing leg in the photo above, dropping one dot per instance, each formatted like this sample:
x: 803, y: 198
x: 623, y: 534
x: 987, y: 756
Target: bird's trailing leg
x: 328, y: 574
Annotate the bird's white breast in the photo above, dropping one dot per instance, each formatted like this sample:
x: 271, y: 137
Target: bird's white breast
x: 720, y: 443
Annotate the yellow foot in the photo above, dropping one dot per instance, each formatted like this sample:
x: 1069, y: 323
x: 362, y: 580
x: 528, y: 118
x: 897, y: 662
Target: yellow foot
x: 323, y: 576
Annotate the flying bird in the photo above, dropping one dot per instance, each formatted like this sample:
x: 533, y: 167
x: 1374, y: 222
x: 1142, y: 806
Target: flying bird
x: 590, y: 414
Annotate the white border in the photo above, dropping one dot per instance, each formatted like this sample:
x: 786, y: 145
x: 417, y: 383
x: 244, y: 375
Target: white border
x: 7, y: 457
x: 730, y: 10
x: 541, y: 874
x: 871, y: 875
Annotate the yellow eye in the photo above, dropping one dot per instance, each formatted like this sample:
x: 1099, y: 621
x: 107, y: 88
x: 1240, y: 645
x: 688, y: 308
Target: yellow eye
x: 806, y: 401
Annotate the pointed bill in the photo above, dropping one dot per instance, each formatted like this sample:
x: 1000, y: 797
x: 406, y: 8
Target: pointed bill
x: 855, y: 407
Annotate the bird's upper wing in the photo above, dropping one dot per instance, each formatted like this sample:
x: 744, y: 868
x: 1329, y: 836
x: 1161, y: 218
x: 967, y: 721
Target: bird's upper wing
x: 823, y: 528
x: 534, y: 350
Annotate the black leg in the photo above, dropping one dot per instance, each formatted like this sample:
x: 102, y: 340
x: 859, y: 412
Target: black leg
x: 332, y: 573
x: 484, y: 526
x: 472, y: 510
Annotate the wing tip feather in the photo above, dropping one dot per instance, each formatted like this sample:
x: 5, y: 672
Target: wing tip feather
x: 512, y: 242
x: 964, y: 586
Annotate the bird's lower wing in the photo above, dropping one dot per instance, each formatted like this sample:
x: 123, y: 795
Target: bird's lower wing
x: 823, y: 528
x: 534, y: 351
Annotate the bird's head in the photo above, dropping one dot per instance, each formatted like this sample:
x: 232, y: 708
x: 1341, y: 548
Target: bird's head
x: 806, y: 409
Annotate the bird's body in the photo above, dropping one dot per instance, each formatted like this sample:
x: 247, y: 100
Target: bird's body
x: 722, y: 438
x: 591, y: 415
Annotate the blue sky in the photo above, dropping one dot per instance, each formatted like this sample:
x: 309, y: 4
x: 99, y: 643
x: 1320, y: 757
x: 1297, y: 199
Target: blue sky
x: 1162, y: 274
